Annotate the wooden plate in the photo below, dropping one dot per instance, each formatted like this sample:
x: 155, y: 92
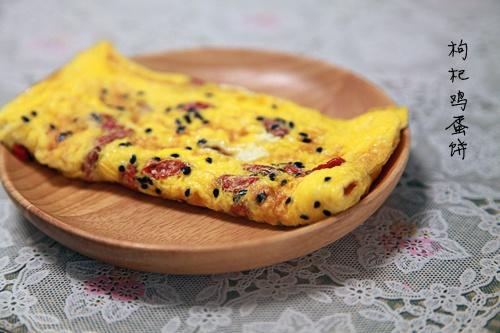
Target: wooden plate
x: 118, y: 226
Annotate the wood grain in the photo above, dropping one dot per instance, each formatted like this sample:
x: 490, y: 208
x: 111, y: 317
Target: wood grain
x: 116, y: 225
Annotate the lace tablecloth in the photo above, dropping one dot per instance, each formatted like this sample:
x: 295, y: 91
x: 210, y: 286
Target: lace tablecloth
x: 428, y: 260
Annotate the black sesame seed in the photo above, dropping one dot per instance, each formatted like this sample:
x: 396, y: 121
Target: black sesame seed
x: 157, y: 159
x: 319, y: 149
x: 304, y: 134
x: 158, y: 191
x: 205, y: 121
x: 168, y: 109
x: 186, y: 170
x: 327, y: 213
x: 274, y: 126
x: 178, y: 122
x: 306, y: 140
x: 145, y: 180
x: 187, y: 192
x: 25, y: 119
x: 187, y: 118
x: 175, y: 155
x: 298, y: 164
x: 283, y: 182
x: 304, y: 217
x: 272, y: 176
x: 125, y: 144
x: 317, y: 204
x: 216, y: 192
x: 180, y: 129
x: 209, y: 160
x: 144, y: 186
x: 189, y: 148
x: 121, y: 168
x: 95, y: 117
x: 148, y: 130
x: 260, y: 118
x: 274, y: 106
x: 238, y: 195
x: 133, y: 159
x: 261, y: 197
x: 288, y: 200
x: 63, y: 135
x: 52, y: 126
x: 327, y: 179
x: 191, y: 109
x: 202, y: 141
x: 291, y: 124
x: 34, y: 113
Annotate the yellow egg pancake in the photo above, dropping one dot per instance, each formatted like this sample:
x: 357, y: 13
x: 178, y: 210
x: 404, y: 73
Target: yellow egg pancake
x: 103, y: 118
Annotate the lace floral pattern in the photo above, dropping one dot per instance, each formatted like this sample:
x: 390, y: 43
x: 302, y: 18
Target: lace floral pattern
x: 391, y: 237
x: 208, y: 318
x: 115, y: 293
x: 34, y: 257
x: 293, y: 321
x: 16, y: 298
x: 358, y: 291
x: 427, y: 261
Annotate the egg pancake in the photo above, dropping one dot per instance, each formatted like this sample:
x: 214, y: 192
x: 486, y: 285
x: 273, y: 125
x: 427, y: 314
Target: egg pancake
x: 104, y: 118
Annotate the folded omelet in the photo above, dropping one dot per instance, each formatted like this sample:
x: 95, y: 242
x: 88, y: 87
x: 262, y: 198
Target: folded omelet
x: 103, y: 118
